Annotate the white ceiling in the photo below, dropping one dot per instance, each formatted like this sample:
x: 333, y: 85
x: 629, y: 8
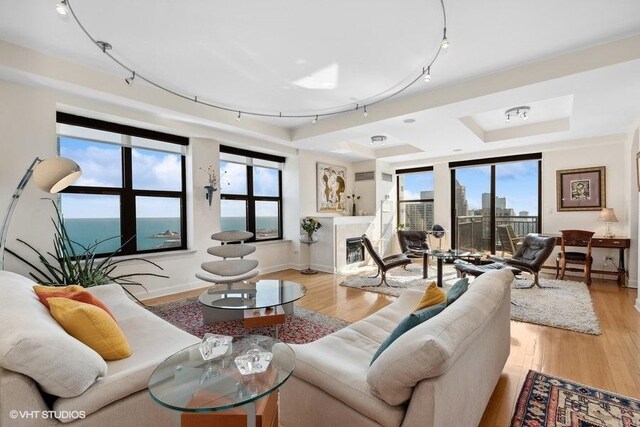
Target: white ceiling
x: 307, y: 57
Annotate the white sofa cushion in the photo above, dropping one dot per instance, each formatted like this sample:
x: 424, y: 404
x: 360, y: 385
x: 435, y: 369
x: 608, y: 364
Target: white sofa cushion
x: 429, y: 349
x: 34, y: 344
x: 152, y: 340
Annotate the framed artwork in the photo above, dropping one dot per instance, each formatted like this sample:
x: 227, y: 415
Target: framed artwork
x: 581, y: 189
x: 331, y: 182
x: 638, y: 169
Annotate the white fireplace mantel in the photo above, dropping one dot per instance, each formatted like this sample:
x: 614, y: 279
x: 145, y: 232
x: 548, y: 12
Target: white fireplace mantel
x: 329, y: 254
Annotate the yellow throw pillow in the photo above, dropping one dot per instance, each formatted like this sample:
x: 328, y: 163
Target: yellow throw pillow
x: 432, y: 295
x: 92, y: 326
x: 68, y: 288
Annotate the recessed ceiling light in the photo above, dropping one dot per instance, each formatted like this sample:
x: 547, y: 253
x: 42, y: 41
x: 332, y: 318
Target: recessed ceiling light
x: 456, y: 150
x: 409, y: 121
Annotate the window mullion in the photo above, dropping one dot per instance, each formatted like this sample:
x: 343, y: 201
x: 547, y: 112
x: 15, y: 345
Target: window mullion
x: 251, y: 203
x: 127, y: 205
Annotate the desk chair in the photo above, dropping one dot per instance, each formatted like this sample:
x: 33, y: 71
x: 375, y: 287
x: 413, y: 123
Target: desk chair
x: 579, y: 238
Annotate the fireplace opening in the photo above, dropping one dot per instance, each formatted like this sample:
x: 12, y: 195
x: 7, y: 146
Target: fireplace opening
x: 355, y: 250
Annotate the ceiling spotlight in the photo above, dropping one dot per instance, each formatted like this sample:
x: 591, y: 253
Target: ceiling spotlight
x: 239, y: 116
x: 427, y: 75
x: 62, y: 8
x: 130, y: 80
x: 104, y: 46
x: 365, y: 114
x: 378, y: 138
x: 517, y: 113
x: 409, y: 121
x: 315, y: 120
x: 445, y: 40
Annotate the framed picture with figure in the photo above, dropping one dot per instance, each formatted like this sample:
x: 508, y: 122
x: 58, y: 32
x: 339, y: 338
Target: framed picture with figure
x: 581, y: 189
x: 331, y: 182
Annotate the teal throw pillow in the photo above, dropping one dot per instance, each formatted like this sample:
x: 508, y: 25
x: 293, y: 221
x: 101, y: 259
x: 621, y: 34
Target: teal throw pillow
x: 459, y: 288
x: 406, y: 324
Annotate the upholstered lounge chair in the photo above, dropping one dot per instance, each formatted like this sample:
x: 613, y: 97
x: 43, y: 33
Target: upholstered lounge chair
x: 384, y: 264
x: 529, y: 257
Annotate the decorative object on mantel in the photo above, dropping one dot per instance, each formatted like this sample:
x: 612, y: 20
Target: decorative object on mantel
x: 310, y: 226
x: 331, y: 182
x: 64, y: 7
x: 546, y: 400
x: 607, y: 215
x: 581, y: 189
x: 353, y: 199
x: 51, y: 175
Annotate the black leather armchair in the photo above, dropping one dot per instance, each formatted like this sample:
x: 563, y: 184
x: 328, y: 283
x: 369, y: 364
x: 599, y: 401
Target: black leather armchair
x: 384, y: 264
x: 413, y: 243
x: 529, y: 257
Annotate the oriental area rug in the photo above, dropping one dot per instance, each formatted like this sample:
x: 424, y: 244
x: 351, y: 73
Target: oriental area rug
x: 300, y: 328
x: 547, y: 401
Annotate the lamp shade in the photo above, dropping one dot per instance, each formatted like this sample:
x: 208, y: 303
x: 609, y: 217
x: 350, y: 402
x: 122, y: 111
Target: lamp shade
x: 607, y: 215
x: 55, y: 174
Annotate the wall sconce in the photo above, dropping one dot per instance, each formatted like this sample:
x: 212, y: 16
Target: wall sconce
x: 211, y: 188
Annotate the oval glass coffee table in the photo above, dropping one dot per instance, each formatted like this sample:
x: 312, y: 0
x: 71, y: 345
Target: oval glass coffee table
x: 261, y: 303
x: 186, y: 382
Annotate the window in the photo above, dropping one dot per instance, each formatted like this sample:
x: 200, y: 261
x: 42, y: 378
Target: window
x: 490, y: 195
x: 132, y: 189
x: 251, y: 192
x: 415, y: 198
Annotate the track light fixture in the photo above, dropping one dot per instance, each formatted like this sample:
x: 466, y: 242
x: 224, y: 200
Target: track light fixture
x: 130, y: 80
x: 445, y: 41
x: 62, y: 8
x: 65, y: 7
x: 427, y: 74
x: 517, y: 113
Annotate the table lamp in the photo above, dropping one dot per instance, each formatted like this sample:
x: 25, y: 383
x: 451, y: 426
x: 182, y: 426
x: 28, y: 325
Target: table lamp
x: 51, y: 175
x: 607, y: 215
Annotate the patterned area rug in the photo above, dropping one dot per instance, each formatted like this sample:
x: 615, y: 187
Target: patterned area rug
x: 302, y: 327
x: 568, y: 306
x: 411, y: 278
x: 549, y: 401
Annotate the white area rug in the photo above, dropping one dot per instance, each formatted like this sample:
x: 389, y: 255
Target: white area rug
x: 411, y: 278
x: 567, y: 307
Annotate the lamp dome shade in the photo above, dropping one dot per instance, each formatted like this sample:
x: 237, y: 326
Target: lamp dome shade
x: 607, y: 215
x: 55, y: 174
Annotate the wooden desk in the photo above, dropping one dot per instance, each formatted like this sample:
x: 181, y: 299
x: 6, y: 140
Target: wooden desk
x: 620, y: 243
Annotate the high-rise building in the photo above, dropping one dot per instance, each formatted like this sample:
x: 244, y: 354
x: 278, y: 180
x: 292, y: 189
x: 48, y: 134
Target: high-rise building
x: 462, y: 206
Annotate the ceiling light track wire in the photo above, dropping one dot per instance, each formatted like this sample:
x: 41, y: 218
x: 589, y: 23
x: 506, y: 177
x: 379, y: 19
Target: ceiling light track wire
x: 367, y: 102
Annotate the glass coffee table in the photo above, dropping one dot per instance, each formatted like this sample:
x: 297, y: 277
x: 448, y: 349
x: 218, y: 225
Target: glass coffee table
x: 186, y: 382
x: 442, y: 257
x: 260, y: 303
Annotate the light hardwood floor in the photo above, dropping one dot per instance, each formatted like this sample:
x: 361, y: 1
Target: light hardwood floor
x: 610, y: 361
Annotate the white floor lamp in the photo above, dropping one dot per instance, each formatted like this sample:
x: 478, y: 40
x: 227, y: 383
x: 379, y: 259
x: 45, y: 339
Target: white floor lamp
x: 52, y: 175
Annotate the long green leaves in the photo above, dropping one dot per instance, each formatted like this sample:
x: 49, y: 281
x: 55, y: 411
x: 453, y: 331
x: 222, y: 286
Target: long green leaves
x: 67, y: 266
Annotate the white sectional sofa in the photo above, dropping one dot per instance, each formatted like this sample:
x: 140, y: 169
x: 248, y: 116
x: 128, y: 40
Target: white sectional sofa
x: 440, y: 373
x: 119, y: 395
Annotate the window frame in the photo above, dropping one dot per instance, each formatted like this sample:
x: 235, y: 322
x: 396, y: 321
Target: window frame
x: 126, y: 192
x: 250, y: 199
x: 401, y: 202
x: 492, y: 162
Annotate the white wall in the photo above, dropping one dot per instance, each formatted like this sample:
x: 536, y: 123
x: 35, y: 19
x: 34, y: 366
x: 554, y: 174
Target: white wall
x: 28, y: 122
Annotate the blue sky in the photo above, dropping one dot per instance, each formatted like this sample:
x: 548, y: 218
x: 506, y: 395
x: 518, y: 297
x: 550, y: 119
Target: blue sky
x: 516, y: 181
x: 234, y: 181
x: 100, y: 164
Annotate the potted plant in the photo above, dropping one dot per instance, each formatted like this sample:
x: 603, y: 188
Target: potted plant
x: 68, y: 266
x: 310, y: 226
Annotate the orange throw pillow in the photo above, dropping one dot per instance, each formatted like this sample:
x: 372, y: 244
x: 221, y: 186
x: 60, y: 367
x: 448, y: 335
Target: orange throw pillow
x: 92, y: 326
x: 68, y: 288
x: 433, y: 295
x: 82, y: 296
